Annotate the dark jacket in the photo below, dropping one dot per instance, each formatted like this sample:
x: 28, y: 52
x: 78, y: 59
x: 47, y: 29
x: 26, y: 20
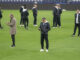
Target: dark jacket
x: 0, y: 14
x: 25, y: 14
x: 44, y: 28
x: 78, y: 18
x: 34, y: 11
x: 57, y: 12
x: 21, y: 9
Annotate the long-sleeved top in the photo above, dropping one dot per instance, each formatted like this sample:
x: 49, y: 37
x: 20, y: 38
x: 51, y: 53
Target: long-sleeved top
x: 12, y: 26
x: 25, y: 13
x: 57, y: 11
x: 34, y: 11
x: 44, y: 27
x: 77, y: 18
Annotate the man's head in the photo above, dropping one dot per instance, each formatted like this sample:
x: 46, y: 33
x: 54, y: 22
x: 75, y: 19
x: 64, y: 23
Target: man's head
x: 11, y: 16
x: 78, y: 11
x: 25, y: 7
x: 22, y: 6
x: 35, y: 5
x: 58, y: 5
x: 43, y: 19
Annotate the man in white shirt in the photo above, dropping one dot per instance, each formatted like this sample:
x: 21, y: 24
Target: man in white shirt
x: 77, y: 22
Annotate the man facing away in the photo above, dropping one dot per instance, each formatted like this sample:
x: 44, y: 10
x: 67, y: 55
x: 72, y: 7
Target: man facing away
x: 44, y: 28
x: 77, y: 22
x: 12, y: 25
x: 57, y: 11
x: 34, y: 9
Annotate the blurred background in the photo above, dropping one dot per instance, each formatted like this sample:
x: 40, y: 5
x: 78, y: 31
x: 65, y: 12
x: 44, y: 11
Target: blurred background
x: 43, y: 4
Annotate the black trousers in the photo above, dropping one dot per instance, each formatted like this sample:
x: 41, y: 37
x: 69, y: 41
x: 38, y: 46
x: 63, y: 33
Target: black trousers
x: 0, y: 23
x: 44, y: 36
x: 75, y: 28
x: 13, y: 39
x: 56, y: 21
x: 25, y: 22
x: 21, y: 21
x: 35, y: 20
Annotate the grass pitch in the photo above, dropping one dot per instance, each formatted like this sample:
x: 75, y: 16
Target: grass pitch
x: 61, y: 45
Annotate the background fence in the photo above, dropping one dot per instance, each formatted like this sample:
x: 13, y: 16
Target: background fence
x: 43, y: 4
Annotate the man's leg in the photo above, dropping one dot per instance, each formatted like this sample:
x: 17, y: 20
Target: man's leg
x: 47, y: 43
x: 1, y: 25
x: 24, y: 21
x: 75, y: 29
x: 78, y: 29
x: 54, y: 21
x: 27, y: 21
x: 42, y: 41
x: 59, y: 22
x: 13, y: 40
x: 35, y: 20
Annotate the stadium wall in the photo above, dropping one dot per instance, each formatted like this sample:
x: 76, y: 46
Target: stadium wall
x: 40, y: 6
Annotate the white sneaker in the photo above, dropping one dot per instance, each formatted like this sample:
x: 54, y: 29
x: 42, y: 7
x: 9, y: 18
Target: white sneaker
x: 35, y: 25
x: 42, y: 50
x: 46, y: 50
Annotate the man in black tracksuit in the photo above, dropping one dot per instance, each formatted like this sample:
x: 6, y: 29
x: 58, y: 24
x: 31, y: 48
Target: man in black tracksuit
x: 34, y: 9
x: 21, y: 9
x: 77, y: 23
x: 57, y: 14
x: 44, y: 28
x: 25, y: 15
x: 0, y: 18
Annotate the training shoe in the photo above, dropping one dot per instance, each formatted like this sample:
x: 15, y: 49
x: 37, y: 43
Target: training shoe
x: 12, y: 45
x: 35, y: 25
x: 42, y: 50
x: 73, y: 35
x: 46, y: 50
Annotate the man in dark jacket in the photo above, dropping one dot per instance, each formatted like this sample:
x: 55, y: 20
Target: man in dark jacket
x: 21, y: 9
x: 77, y: 22
x: 34, y: 9
x: 25, y: 15
x: 44, y: 28
x: 0, y: 18
x: 57, y: 14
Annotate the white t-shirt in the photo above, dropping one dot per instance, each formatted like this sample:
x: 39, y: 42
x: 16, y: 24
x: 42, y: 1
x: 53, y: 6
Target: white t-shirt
x: 77, y: 21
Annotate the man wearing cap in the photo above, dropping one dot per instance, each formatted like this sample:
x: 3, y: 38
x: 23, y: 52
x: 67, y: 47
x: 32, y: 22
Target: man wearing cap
x: 44, y: 28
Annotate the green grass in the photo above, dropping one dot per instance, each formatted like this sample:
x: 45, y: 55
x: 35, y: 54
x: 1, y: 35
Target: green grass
x: 62, y: 45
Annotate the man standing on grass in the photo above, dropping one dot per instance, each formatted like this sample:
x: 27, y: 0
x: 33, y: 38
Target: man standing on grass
x: 34, y: 9
x: 44, y: 28
x: 77, y: 22
x: 57, y: 11
x: 25, y: 15
x: 0, y: 18
x: 12, y: 25
x: 21, y: 21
